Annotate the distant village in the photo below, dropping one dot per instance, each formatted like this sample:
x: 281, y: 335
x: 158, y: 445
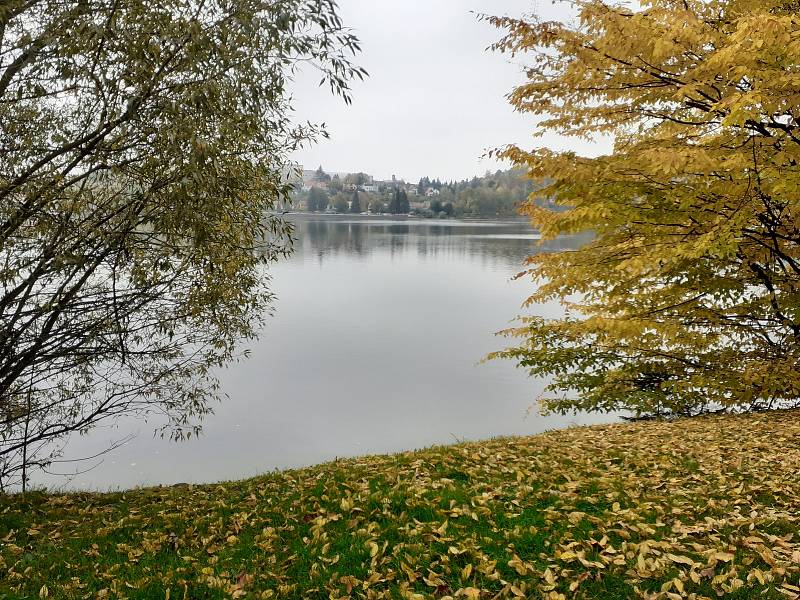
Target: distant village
x: 362, y: 182
x: 493, y: 195
x: 374, y: 195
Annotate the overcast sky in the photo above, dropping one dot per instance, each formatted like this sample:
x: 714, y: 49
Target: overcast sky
x: 434, y: 102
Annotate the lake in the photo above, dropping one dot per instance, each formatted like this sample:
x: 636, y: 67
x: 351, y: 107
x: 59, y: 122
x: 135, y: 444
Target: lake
x: 374, y: 347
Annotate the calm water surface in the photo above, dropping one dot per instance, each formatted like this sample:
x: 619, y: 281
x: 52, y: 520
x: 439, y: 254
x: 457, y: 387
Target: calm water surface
x: 374, y: 347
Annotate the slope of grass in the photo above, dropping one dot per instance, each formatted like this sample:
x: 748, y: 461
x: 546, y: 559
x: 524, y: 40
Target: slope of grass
x: 693, y: 508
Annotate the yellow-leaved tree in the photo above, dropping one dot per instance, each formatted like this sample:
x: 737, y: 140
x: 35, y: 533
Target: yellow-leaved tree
x: 687, y: 298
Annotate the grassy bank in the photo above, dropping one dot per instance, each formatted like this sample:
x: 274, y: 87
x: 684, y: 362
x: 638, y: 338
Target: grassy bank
x: 694, y: 508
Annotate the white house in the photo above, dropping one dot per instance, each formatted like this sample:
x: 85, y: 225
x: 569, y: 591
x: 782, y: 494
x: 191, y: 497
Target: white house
x: 431, y: 192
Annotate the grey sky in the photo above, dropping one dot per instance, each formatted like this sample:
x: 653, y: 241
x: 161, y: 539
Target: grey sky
x: 435, y: 99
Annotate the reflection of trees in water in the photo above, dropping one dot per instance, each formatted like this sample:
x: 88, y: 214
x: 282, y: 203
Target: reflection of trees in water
x: 322, y: 237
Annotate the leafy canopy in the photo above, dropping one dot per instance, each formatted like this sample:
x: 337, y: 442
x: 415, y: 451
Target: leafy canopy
x: 144, y: 150
x: 687, y: 298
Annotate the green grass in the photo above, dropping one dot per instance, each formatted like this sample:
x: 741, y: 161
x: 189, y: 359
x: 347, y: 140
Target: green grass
x: 698, y: 508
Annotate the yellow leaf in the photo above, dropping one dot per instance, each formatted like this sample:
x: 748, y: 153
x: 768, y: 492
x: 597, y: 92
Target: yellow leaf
x: 412, y: 576
x: 681, y: 560
x: 724, y: 556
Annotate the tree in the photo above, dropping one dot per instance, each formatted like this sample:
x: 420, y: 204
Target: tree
x: 493, y: 195
x: 317, y: 199
x: 335, y: 186
x: 376, y: 205
x: 321, y: 176
x: 394, y: 202
x: 144, y: 148
x: 423, y: 185
x: 688, y: 297
x: 357, y: 179
x: 399, y: 203
x: 355, y: 204
x: 340, y: 203
x: 403, y: 205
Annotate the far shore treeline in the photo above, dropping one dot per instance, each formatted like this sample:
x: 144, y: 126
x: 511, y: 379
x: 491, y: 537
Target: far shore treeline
x: 497, y: 194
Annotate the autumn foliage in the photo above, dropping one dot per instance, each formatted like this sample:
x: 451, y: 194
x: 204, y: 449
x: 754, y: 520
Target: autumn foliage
x: 144, y: 160
x: 694, y: 509
x: 687, y: 299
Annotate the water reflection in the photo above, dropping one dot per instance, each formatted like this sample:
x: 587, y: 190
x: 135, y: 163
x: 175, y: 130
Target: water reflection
x: 373, y: 348
x: 494, y: 244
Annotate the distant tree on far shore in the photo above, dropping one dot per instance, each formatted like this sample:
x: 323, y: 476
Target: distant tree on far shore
x: 321, y: 176
x: 317, y: 200
x: 423, y: 185
x: 404, y: 206
x: 355, y: 204
x: 357, y: 179
x: 335, y: 186
x: 340, y: 203
x: 394, y: 203
x: 376, y: 205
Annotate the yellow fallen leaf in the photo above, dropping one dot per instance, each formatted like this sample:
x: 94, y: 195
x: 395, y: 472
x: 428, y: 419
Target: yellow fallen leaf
x: 519, y: 566
x: 576, y: 517
x: 724, y: 556
x: 681, y: 560
x: 412, y: 576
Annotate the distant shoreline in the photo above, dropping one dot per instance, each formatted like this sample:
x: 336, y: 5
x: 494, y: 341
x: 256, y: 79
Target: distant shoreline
x: 388, y: 217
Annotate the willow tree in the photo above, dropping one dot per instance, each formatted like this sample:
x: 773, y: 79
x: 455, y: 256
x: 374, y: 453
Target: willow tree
x: 143, y: 152
x: 687, y: 297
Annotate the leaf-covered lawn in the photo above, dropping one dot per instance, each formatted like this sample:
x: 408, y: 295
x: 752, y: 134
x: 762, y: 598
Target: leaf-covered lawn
x: 693, y: 508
